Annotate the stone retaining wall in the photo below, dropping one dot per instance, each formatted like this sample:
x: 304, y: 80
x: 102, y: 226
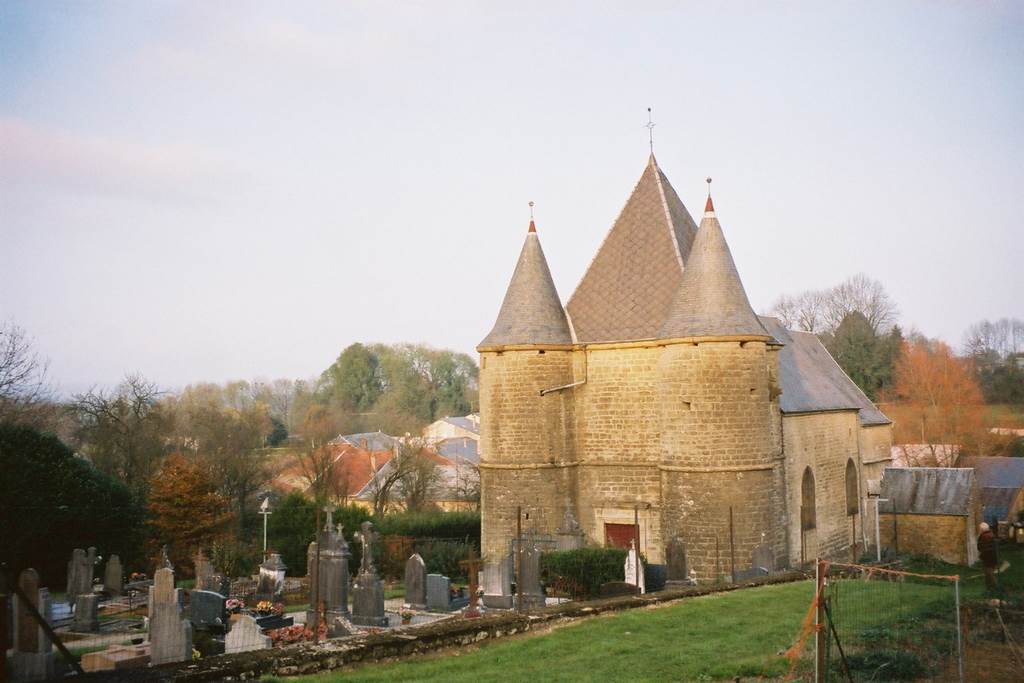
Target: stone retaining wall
x: 334, y: 654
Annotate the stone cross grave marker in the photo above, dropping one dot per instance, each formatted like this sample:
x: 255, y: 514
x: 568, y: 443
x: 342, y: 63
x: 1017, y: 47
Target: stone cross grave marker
x: 634, y: 568
x: 472, y: 567
x: 416, y: 582
x: 170, y: 635
x: 204, y: 571
x: 331, y: 578
x: 368, y: 590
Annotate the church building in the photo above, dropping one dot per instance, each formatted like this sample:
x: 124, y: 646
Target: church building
x: 656, y: 391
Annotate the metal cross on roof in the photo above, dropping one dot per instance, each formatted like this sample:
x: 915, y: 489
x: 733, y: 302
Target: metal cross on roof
x: 650, y: 129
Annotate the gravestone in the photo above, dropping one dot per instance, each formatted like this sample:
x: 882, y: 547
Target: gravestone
x: 33, y: 658
x: 763, y: 558
x: 79, y: 574
x: 655, y: 576
x: 271, y: 582
x: 245, y: 635
x: 207, y: 610
x: 634, y: 569
x: 416, y: 582
x: 113, y: 577
x: 331, y: 577
x: 570, y: 534
x: 165, y: 560
x: 368, y: 589
x: 675, y: 553
x: 498, y: 583
x: 86, y: 613
x: 529, y: 575
x: 170, y: 636
x: 204, y: 571
x: 439, y: 593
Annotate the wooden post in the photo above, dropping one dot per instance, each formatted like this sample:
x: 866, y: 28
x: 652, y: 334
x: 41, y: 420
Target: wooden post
x: 519, y: 558
x: 316, y: 580
x: 732, y: 547
x: 820, y: 634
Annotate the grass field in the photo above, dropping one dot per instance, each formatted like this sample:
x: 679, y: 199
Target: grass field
x: 708, y: 638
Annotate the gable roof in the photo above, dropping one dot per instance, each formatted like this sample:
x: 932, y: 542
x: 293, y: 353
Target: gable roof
x: 927, y: 491
x: 711, y: 300
x: 531, y: 313
x: 626, y: 291
x: 459, y: 448
x: 371, y: 441
x: 996, y: 471
x: 996, y: 502
x: 464, y: 422
x: 812, y: 381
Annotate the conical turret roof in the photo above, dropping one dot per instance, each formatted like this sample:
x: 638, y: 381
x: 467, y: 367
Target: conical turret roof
x: 628, y: 288
x: 531, y: 313
x: 711, y: 301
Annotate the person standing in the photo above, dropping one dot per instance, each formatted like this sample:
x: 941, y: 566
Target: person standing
x: 987, y: 551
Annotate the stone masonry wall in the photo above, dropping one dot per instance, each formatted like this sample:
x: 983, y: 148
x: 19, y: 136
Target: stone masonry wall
x: 941, y: 536
x: 824, y: 442
x: 526, y: 443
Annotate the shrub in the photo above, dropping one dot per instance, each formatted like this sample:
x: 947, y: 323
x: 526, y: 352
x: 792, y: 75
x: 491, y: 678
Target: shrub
x: 448, y: 525
x: 581, y: 572
x: 52, y: 502
x: 888, y: 665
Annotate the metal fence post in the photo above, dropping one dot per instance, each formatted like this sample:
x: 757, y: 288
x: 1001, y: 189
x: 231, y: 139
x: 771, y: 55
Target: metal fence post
x: 819, y: 623
x: 959, y: 635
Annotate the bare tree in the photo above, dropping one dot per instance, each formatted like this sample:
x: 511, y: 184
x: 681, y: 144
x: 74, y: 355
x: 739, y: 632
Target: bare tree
x: 125, y: 432
x: 821, y: 311
x: 23, y: 384
x: 420, y: 476
x: 1001, y: 338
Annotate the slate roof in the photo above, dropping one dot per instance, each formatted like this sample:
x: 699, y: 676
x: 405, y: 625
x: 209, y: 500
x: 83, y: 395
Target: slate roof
x: 711, y: 300
x: 812, y: 381
x: 460, y: 447
x: 927, y: 490
x: 996, y: 471
x: 996, y: 502
x: 464, y: 423
x: 371, y: 441
x: 626, y: 291
x: 531, y: 313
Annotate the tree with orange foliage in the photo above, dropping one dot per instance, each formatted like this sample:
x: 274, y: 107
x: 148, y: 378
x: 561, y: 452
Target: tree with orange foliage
x: 935, y: 398
x: 188, y: 512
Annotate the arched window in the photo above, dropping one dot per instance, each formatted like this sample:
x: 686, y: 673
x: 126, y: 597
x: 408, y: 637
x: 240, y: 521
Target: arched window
x: 852, y: 500
x: 807, y: 515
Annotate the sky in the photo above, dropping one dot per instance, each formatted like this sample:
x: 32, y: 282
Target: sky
x: 211, y: 191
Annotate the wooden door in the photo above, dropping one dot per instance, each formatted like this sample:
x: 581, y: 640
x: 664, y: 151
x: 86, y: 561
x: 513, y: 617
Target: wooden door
x: 619, y: 535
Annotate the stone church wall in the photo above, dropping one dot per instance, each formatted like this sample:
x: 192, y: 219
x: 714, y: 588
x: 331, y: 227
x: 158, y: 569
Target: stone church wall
x: 824, y: 442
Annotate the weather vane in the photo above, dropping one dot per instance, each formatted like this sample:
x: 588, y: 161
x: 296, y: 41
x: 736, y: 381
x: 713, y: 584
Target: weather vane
x: 709, y: 185
x: 531, y: 210
x: 650, y: 129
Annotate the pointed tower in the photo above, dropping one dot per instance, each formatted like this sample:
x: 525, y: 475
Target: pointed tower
x: 717, y: 386
x: 531, y: 312
x: 711, y: 301
x: 526, y: 419
x: 628, y: 288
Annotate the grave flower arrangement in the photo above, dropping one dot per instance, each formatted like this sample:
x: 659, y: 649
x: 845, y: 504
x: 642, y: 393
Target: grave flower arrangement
x: 264, y: 607
x: 406, y: 615
x: 296, y: 634
x: 234, y: 605
x: 278, y: 609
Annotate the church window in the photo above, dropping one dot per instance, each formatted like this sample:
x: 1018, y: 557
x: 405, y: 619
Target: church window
x: 852, y: 506
x: 807, y: 514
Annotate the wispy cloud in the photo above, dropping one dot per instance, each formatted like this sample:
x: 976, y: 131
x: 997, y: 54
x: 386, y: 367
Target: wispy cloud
x: 35, y: 157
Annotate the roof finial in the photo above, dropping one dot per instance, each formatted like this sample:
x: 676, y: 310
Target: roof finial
x: 709, y: 207
x: 650, y: 129
x: 533, y: 228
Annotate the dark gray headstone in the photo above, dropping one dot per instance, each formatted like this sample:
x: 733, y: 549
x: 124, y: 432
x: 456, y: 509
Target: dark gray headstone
x: 86, y: 613
x: 331, y: 578
x: 416, y: 582
x: 656, y: 576
x: 207, y: 609
x: 439, y: 595
x: 368, y: 601
x: 676, y: 564
x: 529, y: 576
x: 113, y: 577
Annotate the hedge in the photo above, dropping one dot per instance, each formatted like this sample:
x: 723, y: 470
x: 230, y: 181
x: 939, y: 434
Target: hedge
x: 581, y: 572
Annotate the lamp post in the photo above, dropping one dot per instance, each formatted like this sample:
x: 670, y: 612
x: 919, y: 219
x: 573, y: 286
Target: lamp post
x: 265, y: 511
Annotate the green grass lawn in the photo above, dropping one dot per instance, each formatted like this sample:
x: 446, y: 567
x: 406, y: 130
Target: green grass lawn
x: 707, y: 638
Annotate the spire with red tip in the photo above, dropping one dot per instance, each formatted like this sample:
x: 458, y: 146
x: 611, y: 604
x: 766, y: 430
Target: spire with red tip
x: 709, y: 206
x: 533, y: 228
